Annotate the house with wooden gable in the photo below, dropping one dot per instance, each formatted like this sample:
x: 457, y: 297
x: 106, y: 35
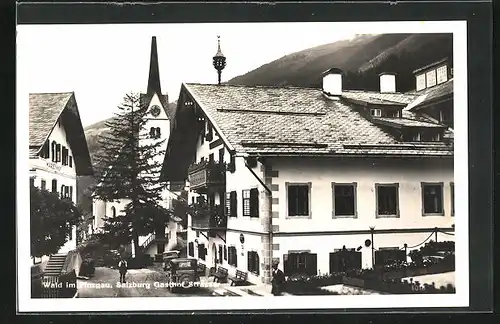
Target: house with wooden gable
x: 58, y: 150
x: 319, y: 180
x: 157, y: 126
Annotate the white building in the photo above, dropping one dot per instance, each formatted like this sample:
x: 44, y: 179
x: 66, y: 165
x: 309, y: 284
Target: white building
x: 309, y: 172
x: 58, y: 149
x: 157, y: 128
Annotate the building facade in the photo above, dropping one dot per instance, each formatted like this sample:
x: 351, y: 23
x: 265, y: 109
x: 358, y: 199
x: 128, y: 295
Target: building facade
x: 156, y: 129
x: 58, y: 149
x: 297, y: 175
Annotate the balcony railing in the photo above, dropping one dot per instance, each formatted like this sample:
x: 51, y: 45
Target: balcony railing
x: 212, y: 219
x: 206, y: 174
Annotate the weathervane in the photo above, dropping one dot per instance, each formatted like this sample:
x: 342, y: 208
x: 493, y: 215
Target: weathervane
x: 219, y: 60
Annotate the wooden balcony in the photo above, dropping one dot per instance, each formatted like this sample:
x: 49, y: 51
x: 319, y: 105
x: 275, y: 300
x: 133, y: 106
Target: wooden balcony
x: 213, y: 220
x: 204, y: 175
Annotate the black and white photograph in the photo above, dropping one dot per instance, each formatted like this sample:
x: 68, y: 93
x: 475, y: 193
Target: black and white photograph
x: 242, y: 166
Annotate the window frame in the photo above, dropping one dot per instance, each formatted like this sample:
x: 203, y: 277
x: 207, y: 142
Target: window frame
x: 287, y: 212
x: 441, y: 185
x: 355, y: 194
x: 43, y: 184
x: 379, y: 185
x: 54, y: 185
x: 245, y: 199
x: 373, y: 112
x: 253, y: 262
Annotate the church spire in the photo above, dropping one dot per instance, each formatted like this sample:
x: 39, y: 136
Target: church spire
x: 154, y: 71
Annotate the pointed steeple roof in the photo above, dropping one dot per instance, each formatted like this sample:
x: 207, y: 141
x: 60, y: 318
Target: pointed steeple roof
x: 219, y: 51
x: 154, y: 71
x: 154, y: 85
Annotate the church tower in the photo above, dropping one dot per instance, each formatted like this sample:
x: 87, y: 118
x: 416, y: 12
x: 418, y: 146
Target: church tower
x: 158, y: 117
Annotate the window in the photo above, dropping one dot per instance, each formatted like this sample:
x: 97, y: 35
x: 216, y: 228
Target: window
x: 384, y: 256
x: 45, y: 150
x: 344, y: 200
x: 158, y: 132
x: 375, y: 112
x: 345, y: 260
x: 232, y: 164
x: 421, y: 82
x: 66, y: 192
x: 246, y: 202
x: 61, y: 193
x: 442, y: 74
x: 415, y: 137
x: 220, y: 254
x: 71, y: 192
x: 432, y: 199
x: 202, y: 251
x: 387, y: 200
x: 210, y: 133
x: 211, y: 157
x: 452, y: 194
x: 53, y: 147
x: 431, y: 78
x: 300, y: 263
x: 225, y: 253
x: 113, y: 211
x: 43, y: 184
x: 232, y: 256
x: 221, y: 155
x: 393, y: 114
x: 70, y: 161
x: 64, y: 156
x: 191, y: 249
x: 231, y: 204
x: 58, y: 152
x: 32, y: 182
x: 154, y: 132
x: 253, y: 262
x: 54, y: 185
x: 298, y: 196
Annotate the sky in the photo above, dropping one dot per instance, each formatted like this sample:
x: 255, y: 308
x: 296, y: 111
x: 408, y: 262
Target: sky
x: 101, y: 63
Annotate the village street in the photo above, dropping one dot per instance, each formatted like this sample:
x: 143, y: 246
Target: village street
x: 140, y: 283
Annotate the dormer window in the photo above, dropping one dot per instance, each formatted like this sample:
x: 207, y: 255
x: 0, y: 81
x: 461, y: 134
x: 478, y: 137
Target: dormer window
x: 431, y: 78
x: 432, y: 75
x: 393, y: 114
x: 376, y: 112
x: 442, y: 74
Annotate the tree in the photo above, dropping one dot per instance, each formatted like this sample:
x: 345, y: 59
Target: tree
x: 128, y: 171
x: 52, y: 221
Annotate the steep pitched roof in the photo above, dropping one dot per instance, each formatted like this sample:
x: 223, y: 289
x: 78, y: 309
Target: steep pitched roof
x: 428, y: 96
x: 288, y: 120
x: 372, y: 97
x: 45, y: 110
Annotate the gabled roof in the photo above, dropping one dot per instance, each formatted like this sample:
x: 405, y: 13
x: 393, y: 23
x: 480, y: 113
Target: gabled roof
x: 45, y: 110
x: 378, y: 98
x: 267, y: 120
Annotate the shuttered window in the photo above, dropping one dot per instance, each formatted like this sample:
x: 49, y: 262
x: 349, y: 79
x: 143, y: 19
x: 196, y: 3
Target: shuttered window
x: 191, y: 249
x: 225, y: 253
x: 300, y: 263
x: 220, y: 253
x: 54, y: 185
x: 246, y: 202
x: 231, y: 204
x: 53, y: 147
x: 345, y: 260
x: 58, y: 153
x: 232, y: 256
x: 254, y: 202
x: 202, y: 251
x: 43, y: 185
x: 70, y: 161
x: 253, y: 262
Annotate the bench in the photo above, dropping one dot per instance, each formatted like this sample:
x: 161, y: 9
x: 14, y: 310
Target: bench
x: 220, y: 275
x: 239, y: 279
x: 201, y: 268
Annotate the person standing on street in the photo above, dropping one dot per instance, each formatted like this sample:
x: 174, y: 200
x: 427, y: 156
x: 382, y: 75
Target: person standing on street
x: 278, y: 280
x: 122, y: 267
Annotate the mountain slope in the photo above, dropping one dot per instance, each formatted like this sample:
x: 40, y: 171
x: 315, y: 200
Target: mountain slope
x: 363, y: 54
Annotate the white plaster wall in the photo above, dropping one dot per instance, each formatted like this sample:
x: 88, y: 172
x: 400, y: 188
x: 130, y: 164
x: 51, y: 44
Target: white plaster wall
x: 47, y: 170
x: 323, y: 245
x: 321, y: 173
x: 243, y: 179
x: 252, y: 243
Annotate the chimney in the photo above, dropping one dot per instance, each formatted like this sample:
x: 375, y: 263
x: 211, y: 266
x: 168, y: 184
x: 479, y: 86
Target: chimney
x: 387, y: 82
x: 332, y: 82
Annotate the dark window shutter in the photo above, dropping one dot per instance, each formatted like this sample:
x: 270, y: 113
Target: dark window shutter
x: 71, y: 192
x: 234, y: 203
x: 225, y: 253
x: 254, y: 202
x: 235, y: 257
x: 312, y: 264
x: 70, y: 161
x: 249, y: 261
